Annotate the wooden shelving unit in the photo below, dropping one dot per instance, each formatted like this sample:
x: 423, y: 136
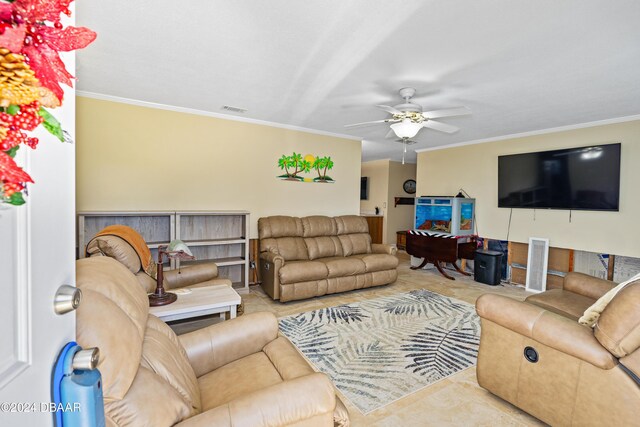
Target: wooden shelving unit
x: 156, y: 227
x: 221, y: 237
x: 404, y: 201
x: 213, y: 236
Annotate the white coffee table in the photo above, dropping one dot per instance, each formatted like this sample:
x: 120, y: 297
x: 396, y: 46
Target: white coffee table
x: 197, y: 302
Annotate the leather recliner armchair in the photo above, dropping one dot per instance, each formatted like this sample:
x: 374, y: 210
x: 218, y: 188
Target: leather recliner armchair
x: 193, y: 276
x: 535, y: 354
x: 239, y: 372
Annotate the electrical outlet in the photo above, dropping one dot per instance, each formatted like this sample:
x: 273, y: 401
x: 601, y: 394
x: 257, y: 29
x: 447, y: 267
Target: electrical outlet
x: 384, y: 205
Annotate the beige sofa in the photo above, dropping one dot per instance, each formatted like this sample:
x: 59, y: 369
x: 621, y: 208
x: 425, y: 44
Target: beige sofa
x: 235, y: 373
x: 536, y: 355
x: 317, y: 255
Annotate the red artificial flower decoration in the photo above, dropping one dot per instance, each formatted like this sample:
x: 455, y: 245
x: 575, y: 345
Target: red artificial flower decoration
x: 42, y: 42
x: 31, y: 37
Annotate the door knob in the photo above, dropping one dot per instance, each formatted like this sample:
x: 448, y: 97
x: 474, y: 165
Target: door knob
x: 67, y: 299
x: 86, y: 359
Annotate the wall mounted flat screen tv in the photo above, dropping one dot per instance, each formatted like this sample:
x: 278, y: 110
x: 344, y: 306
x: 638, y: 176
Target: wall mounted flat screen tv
x: 584, y: 178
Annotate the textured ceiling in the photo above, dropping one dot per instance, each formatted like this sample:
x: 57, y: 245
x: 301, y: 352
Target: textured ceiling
x: 520, y: 66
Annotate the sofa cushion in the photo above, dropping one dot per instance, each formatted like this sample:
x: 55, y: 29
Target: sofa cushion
x: 237, y: 379
x: 618, y: 328
x: 302, y: 290
x: 584, y: 284
x: 353, y: 244
x: 314, y: 226
x: 591, y: 314
x: 113, y: 297
x: 286, y: 359
x: 341, y: 266
x: 567, y: 304
x: 163, y: 354
x: 348, y: 224
x: 115, y: 247
x: 322, y: 247
x: 150, y: 401
x: 378, y: 262
x: 290, y: 248
x: 302, y: 271
x: 279, y: 226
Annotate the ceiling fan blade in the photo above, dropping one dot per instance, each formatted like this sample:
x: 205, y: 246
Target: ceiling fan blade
x: 365, y: 123
x: 389, y: 109
x: 447, y: 112
x: 442, y: 127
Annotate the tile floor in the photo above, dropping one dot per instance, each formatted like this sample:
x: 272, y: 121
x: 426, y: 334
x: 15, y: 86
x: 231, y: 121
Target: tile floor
x: 455, y: 401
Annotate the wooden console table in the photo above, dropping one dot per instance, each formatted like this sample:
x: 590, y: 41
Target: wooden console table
x: 437, y: 247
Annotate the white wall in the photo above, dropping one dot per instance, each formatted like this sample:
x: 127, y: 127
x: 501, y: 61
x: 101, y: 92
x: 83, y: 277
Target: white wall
x: 475, y: 168
x: 377, y: 172
x: 401, y: 216
x: 385, y: 183
x: 138, y: 158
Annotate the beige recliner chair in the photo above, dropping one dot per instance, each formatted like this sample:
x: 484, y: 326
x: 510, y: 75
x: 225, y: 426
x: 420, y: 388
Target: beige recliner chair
x: 536, y: 355
x: 236, y: 373
x: 193, y: 276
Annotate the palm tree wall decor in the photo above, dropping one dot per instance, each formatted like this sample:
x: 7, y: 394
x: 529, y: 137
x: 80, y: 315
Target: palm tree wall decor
x: 295, y: 164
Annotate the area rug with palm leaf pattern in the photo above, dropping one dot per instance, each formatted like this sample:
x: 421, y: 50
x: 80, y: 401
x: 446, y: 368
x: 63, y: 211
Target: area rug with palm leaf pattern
x: 383, y: 349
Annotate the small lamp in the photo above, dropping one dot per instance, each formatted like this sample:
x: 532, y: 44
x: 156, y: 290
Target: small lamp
x: 176, y: 249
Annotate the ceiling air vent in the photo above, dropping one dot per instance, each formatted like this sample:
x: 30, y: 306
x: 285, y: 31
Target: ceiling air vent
x: 537, y: 264
x: 234, y: 109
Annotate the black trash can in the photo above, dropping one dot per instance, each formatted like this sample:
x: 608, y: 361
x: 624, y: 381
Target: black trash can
x: 486, y: 266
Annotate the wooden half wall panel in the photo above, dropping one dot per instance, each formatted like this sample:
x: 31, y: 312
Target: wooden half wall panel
x: 560, y: 260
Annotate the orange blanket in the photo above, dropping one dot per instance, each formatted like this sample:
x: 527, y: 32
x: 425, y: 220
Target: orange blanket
x: 136, y: 241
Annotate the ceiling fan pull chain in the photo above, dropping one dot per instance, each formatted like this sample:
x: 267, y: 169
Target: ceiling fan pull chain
x: 404, y: 143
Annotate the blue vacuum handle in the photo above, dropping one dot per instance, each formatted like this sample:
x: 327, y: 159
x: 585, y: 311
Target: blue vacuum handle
x: 77, y: 388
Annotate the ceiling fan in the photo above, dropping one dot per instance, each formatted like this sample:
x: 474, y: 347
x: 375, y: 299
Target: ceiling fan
x: 408, y: 118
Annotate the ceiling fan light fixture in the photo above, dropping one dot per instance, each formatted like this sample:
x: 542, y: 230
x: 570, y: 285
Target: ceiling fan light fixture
x: 406, y: 128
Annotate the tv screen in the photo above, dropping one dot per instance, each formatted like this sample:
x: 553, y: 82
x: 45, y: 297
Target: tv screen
x: 364, y: 188
x: 586, y: 178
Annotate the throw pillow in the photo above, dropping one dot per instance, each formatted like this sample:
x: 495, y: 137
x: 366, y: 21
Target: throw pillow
x: 591, y: 314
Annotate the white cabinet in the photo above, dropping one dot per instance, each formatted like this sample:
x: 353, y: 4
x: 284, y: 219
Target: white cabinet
x: 218, y: 236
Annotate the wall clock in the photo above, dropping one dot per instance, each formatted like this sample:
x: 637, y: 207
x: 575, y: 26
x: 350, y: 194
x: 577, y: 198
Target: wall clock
x: 409, y: 186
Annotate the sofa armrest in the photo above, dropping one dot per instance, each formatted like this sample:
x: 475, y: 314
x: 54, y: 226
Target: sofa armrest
x: 188, y: 276
x: 585, y: 285
x: 283, y: 404
x: 379, y: 248
x: 270, y: 264
x: 550, y: 329
x: 272, y: 257
x: 214, y: 346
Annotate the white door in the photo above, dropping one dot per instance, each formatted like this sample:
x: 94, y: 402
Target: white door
x: 37, y: 255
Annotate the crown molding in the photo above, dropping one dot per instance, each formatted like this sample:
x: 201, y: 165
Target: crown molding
x: 536, y: 132
x: 110, y: 98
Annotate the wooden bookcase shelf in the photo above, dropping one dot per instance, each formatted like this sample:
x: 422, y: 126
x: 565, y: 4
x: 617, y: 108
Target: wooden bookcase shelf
x: 213, y: 236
